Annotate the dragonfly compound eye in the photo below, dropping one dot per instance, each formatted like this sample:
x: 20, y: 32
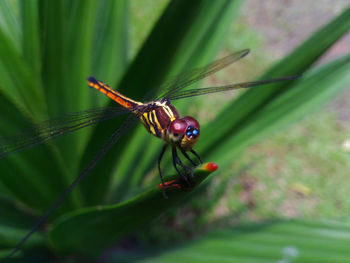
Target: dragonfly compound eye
x: 191, y: 122
x: 192, y: 132
x: 178, y: 127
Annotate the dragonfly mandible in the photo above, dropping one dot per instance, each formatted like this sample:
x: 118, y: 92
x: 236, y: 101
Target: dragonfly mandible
x: 159, y: 117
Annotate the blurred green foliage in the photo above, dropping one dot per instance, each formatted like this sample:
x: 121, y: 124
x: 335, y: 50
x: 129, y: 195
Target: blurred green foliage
x: 48, y: 48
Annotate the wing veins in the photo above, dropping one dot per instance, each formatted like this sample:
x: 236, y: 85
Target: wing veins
x: 242, y: 85
x: 177, y: 83
x: 50, y: 129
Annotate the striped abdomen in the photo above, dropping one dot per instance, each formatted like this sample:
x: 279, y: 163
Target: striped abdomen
x: 113, y: 94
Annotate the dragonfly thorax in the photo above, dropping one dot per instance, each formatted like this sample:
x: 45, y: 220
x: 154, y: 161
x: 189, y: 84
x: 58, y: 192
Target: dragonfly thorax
x: 158, y: 116
x: 183, y: 132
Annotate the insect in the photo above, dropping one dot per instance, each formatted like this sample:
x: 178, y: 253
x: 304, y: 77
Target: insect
x: 159, y: 117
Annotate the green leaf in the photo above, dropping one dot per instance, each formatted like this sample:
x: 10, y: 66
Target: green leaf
x: 96, y: 228
x: 279, y: 241
x: 53, y: 22
x: 10, y: 236
x: 43, y: 181
x: 110, y: 56
x: 79, y: 37
x: 76, y: 66
x: 9, y: 22
x: 17, y: 170
x: 14, y: 224
x: 30, y: 39
x: 17, y: 82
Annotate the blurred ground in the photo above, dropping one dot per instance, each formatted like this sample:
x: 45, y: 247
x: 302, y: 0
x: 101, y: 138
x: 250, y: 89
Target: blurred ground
x: 285, y: 24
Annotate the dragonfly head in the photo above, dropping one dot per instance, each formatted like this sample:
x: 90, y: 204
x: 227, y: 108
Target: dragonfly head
x: 184, y: 132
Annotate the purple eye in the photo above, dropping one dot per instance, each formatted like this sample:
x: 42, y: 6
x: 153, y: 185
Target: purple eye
x: 178, y: 126
x: 191, y: 122
x: 192, y: 130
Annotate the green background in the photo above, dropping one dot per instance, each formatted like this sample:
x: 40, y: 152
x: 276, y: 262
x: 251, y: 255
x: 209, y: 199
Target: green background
x: 281, y: 198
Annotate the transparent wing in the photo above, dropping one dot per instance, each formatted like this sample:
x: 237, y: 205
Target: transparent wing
x: 196, y: 92
x: 185, y: 79
x: 47, y: 130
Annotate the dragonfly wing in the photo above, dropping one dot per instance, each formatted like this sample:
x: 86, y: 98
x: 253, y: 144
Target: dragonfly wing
x: 196, y: 92
x: 47, y: 130
x: 185, y: 79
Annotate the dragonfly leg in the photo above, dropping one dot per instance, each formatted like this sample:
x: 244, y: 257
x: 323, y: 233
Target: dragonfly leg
x: 177, y: 161
x: 198, y: 157
x: 160, y: 171
x: 195, y: 154
x: 188, y: 157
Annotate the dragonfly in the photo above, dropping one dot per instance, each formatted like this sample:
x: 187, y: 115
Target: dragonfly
x: 158, y: 116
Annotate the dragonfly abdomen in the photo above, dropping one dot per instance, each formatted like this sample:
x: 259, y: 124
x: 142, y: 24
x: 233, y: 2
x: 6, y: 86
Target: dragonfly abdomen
x: 113, y: 94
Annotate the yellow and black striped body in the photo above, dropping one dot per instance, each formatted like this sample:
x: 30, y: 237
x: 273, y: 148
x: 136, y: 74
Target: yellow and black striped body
x: 155, y: 116
x: 157, y: 119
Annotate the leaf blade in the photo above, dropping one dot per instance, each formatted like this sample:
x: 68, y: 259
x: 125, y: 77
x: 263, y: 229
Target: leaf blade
x: 115, y: 221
